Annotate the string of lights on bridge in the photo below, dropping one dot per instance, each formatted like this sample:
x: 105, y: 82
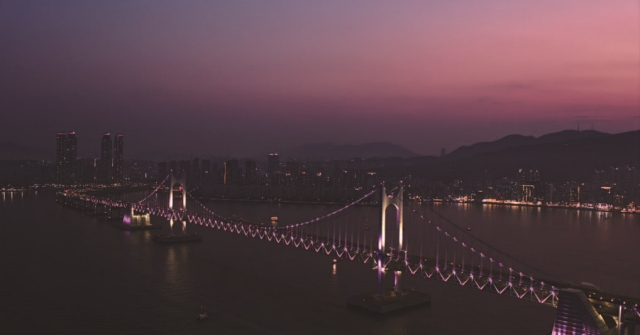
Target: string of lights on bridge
x: 298, y: 235
x: 352, y: 251
x: 155, y: 190
x: 343, y: 251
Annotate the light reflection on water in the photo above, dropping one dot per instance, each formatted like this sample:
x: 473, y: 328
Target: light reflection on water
x: 582, y: 244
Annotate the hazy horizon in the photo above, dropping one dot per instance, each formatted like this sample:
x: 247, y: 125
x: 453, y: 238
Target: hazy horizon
x: 93, y: 148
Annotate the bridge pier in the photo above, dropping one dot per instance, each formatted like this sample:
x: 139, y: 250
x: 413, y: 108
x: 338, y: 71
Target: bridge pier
x: 384, y: 302
x: 184, y: 237
x: 398, y: 282
x: 387, y: 200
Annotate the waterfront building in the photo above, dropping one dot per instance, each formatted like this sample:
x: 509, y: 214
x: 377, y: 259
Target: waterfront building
x: 106, y: 159
x: 118, y: 159
x: 162, y: 171
x: 61, y: 156
x: 232, y: 172
x: 66, y: 154
x: 251, y: 172
x: 206, y: 171
x: 273, y: 166
x: 196, y: 173
x: 184, y: 166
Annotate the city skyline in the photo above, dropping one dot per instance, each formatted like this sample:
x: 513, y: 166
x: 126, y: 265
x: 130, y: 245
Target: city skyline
x: 236, y: 80
x: 455, y: 167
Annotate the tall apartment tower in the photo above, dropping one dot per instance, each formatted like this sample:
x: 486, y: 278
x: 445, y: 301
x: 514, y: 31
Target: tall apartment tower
x: 66, y: 153
x: 61, y: 156
x: 162, y: 171
x: 73, y: 173
x: 118, y: 159
x: 273, y: 164
x: 106, y: 159
x: 205, y: 171
x: 232, y: 172
x: 250, y: 172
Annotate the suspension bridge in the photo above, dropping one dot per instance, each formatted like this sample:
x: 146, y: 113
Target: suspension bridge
x: 436, y: 249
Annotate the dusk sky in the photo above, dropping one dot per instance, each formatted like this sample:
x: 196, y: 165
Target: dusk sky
x: 249, y: 77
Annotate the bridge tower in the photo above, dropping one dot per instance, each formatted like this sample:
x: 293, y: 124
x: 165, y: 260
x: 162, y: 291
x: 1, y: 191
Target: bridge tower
x: 178, y: 180
x: 386, y: 201
x: 182, y: 181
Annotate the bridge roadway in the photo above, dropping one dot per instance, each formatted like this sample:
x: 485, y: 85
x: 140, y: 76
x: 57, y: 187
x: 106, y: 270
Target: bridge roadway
x: 605, y: 303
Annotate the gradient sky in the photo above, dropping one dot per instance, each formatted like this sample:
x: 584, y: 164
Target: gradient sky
x: 249, y: 77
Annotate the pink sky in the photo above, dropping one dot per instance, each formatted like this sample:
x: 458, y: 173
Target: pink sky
x: 422, y: 74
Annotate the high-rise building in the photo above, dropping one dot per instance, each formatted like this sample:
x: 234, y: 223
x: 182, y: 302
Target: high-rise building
x: 250, y: 172
x: 232, y: 172
x: 118, y: 159
x: 61, y: 156
x: 106, y: 159
x: 273, y: 165
x: 72, y: 155
x: 162, y: 171
x: 66, y: 154
x: 195, y: 170
x: 206, y: 172
x: 184, y: 166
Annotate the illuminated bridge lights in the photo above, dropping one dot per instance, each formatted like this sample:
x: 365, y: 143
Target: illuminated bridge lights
x: 350, y: 251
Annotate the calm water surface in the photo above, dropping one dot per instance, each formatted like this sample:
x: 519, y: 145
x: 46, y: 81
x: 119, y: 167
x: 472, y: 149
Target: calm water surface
x: 63, y: 271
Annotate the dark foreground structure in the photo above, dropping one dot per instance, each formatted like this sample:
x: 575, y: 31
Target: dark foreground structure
x: 390, y: 302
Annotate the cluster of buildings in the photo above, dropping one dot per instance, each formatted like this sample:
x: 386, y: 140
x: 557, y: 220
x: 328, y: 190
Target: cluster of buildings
x: 615, y: 188
x: 66, y: 158
x: 292, y: 180
x: 71, y: 169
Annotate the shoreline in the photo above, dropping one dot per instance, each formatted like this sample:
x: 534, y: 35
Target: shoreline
x: 588, y: 209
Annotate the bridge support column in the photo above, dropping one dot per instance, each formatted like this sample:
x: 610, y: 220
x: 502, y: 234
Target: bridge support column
x: 620, y: 323
x: 182, y: 181
x: 183, y: 237
x: 386, y: 201
x: 380, y: 277
x: 398, y: 300
x: 398, y: 282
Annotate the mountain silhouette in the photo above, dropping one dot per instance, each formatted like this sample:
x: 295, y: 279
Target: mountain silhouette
x: 562, y: 156
x: 520, y: 140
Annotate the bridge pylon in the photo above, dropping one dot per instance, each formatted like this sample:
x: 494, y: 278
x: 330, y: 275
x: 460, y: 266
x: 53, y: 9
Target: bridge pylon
x: 182, y: 181
x: 386, y: 201
x: 184, y: 236
x: 380, y: 302
x: 178, y: 180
